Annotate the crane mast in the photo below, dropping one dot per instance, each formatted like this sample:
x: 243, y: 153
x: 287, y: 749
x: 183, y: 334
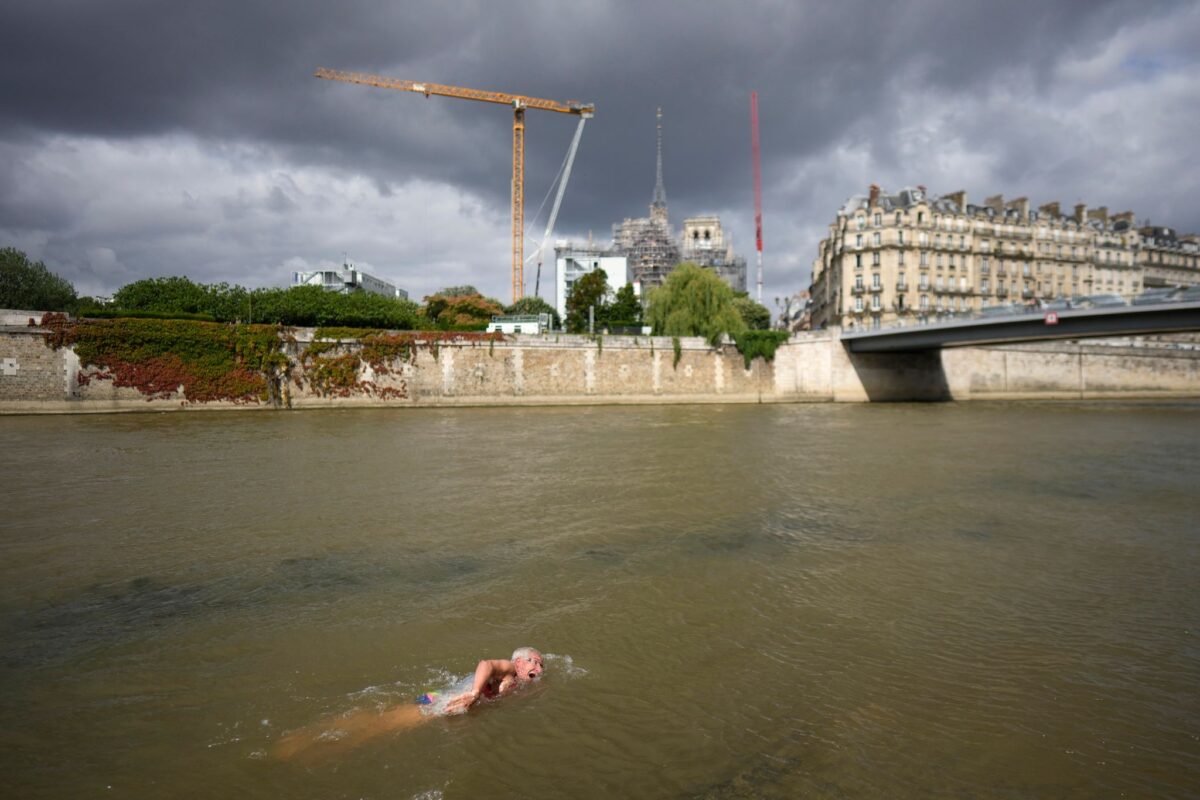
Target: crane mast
x: 518, y: 103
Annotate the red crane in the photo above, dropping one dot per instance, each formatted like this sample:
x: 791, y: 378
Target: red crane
x: 757, y: 186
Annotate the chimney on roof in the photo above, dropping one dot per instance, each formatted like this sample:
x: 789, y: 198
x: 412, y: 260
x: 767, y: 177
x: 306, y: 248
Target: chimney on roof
x: 959, y: 199
x: 921, y: 186
x: 1050, y: 209
x: 1100, y: 213
x: 1021, y: 204
x: 874, y: 195
x: 1124, y: 216
x: 996, y: 202
x: 1080, y: 212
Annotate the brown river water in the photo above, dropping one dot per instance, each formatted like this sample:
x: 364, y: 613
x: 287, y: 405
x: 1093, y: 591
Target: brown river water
x: 821, y: 601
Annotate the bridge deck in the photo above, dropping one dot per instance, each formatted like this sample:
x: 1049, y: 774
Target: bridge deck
x: 1078, y: 323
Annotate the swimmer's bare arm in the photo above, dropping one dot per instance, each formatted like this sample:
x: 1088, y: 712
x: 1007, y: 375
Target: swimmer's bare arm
x: 489, y: 670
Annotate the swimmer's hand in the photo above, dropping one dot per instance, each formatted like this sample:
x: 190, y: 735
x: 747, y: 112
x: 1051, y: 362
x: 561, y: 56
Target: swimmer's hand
x: 460, y: 704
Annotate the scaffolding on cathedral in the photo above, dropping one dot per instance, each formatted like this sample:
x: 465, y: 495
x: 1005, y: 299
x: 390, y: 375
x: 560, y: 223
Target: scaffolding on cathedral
x: 652, y: 251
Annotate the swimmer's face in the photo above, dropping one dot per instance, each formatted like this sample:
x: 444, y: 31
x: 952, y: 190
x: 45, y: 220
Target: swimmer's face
x: 529, y: 668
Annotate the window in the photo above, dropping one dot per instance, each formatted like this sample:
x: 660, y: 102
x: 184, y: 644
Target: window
x: 924, y: 302
x: 924, y: 282
x: 858, y: 284
x: 858, y: 306
x: 860, y: 222
x: 938, y: 259
x: 877, y: 239
x: 924, y: 259
x: 920, y: 217
x: 897, y: 217
x: 923, y: 239
x: 875, y: 258
x: 901, y: 258
x: 984, y: 267
x: 900, y: 280
x: 962, y: 240
x: 937, y: 240
x: 875, y: 280
x: 858, y: 241
x: 1025, y: 269
x: 952, y: 261
x: 983, y: 285
x: 874, y: 302
x: 878, y: 219
x: 858, y: 260
x: 985, y: 246
x: 899, y: 237
x: 939, y: 283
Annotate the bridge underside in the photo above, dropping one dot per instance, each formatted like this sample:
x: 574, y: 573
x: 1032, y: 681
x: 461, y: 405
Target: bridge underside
x: 1070, y: 324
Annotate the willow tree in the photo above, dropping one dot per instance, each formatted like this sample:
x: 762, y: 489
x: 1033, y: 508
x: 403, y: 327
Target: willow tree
x: 693, y: 301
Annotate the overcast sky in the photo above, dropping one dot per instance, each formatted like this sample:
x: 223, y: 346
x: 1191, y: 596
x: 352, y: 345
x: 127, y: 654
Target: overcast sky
x: 141, y: 138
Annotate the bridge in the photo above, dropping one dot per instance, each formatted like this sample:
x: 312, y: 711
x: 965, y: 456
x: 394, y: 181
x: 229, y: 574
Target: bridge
x: 1033, y: 326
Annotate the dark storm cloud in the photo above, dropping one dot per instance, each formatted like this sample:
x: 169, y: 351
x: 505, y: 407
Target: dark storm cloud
x: 979, y: 96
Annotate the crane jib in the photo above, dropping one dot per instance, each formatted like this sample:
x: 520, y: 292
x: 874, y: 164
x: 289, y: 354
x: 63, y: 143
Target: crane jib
x: 518, y: 103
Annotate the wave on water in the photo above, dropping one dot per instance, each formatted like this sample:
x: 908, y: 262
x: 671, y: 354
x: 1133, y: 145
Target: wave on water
x: 563, y: 664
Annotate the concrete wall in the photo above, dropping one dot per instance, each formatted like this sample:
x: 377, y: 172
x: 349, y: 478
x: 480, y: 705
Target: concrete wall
x: 1096, y: 369
x: 561, y: 369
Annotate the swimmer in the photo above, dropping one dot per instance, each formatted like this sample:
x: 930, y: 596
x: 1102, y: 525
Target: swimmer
x: 493, y: 678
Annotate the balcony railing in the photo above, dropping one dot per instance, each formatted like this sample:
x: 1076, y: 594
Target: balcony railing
x: 858, y: 289
x: 876, y: 289
x: 901, y: 286
x: 1001, y: 291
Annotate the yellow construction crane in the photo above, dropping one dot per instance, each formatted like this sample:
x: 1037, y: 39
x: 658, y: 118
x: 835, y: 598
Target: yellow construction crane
x: 518, y: 103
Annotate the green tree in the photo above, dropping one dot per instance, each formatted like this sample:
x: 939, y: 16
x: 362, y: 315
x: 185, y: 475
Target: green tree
x: 297, y: 305
x: 165, y: 295
x: 533, y: 305
x: 590, y: 290
x: 756, y: 316
x: 626, y: 309
x: 693, y: 301
x: 29, y: 285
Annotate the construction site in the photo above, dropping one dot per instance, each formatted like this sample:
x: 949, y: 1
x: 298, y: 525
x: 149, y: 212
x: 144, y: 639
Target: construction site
x: 643, y: 250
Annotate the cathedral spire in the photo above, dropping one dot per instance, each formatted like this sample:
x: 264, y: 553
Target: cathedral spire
x: 658, y: 206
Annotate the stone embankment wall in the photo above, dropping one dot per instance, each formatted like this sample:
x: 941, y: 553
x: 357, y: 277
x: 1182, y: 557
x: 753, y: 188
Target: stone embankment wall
x: 561, y: 369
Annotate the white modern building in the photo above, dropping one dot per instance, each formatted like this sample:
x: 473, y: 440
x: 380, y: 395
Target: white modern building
x: 347, y: 279
x: 572, y: 262
x: 521, y: 323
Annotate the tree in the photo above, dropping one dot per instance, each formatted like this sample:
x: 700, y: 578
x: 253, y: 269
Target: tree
x: 588, y: 292
x: 693, y: 301
x: 165, y: 295
x: 626, y: 309
x: 29, y: 285
x: 473, y: 310
x: 533, y: 305
x: 756, y: 316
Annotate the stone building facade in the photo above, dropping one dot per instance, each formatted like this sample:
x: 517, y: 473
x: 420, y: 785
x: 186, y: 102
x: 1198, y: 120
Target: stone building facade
x: 907, y: 258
